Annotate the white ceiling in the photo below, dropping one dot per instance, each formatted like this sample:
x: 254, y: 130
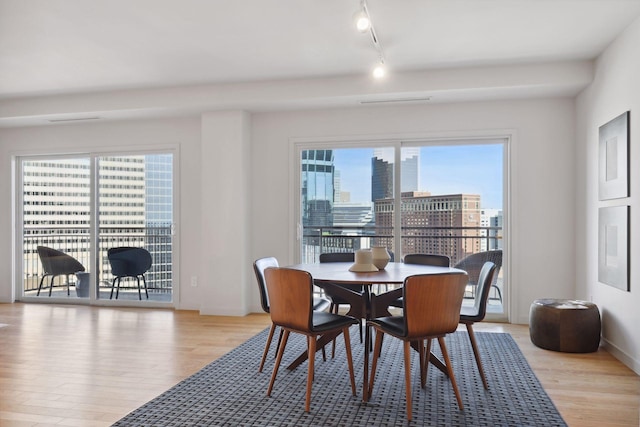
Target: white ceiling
x: 53, y: 47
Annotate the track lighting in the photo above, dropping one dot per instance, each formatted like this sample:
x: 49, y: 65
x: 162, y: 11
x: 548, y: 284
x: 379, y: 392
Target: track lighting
x: 364, y: 25
x: 362, y: 20
x: 380, y: 70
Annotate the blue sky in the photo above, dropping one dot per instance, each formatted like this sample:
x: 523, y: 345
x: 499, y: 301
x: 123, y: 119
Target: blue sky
x: 453, y: 169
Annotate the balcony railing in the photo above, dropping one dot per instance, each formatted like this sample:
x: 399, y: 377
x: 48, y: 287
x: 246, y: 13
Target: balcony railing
x: 76, y: 242
x: 455, y: 242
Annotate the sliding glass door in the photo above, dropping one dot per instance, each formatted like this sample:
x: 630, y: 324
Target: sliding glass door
x: 450, y: 196
x: 77, y: 212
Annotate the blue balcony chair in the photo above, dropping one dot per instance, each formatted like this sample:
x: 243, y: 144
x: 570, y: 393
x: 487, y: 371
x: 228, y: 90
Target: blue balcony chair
x: 128, y: 262
x: 56, y: 263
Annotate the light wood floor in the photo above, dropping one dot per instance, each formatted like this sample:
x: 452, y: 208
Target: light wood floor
x: 69, y: 365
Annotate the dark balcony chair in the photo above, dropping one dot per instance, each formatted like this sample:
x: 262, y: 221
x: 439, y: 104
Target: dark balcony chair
x: 476, y: 313
x: 422, y: 259
x: 56, y: 263
x: 129, y: 262
x: 259, y: 266
x: 431, y: 310
x: 291, y: 307
x: 473, y: 263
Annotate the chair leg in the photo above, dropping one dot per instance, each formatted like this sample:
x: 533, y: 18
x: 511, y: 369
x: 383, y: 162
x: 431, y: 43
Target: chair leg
x: 333, y: 308
x: 139, y: 291
x: 118, y: 288
x: 427, y: 355
x: 285, y: 337
x: 347, y: 346
x: 423, y: 377
x: 40, y: 285
x: 498, y: 291
x: 113, y: 285
x: 144, y: 280
x: 51, y: 285
x: 407, y: 376
x: 68, y: 293
x: 452, y: 377
x: 311, y: 345
x: 266, y: 346
x: 279, y: 342
x: 374, y: 363
x: 476, y: 353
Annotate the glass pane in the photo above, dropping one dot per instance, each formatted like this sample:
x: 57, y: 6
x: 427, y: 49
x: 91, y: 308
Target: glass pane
x: 338, y: 188
x: 455, y: 208
x: 135, y: 211
x: 56, y: 227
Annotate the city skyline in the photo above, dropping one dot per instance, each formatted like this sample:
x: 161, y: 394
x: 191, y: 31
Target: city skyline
x: 451, y: 169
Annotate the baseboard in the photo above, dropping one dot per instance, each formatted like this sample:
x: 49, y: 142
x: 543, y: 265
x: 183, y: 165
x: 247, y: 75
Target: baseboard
x: 623, y: 357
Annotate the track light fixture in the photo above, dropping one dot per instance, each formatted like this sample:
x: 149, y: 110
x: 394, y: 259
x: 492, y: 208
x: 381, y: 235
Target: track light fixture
x: 361, y: 18
x: 364, y: 25
x: 379, y: 71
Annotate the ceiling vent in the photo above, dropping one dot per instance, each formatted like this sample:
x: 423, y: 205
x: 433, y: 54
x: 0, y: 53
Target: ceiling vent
x: 395, y: 100
x: 75, y: 119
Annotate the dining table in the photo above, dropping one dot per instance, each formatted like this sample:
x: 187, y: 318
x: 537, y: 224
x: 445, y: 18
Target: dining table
x: 365, y: 305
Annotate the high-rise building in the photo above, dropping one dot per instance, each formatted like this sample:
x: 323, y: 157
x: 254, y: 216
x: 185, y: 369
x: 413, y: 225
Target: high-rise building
x: 135, y: 208
x: 491, y: 220
x: 443, y: 224
x: 382, y: 172
x: 159, y: 218
x: 317, y: 189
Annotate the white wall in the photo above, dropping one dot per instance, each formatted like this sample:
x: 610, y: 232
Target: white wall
x: 255, y: 200
x: 542, y: 254
x: 615, y: 89
x: 225, y: 265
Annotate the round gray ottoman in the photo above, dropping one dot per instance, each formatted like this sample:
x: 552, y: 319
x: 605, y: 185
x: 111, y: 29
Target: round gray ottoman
x: 569, y: 326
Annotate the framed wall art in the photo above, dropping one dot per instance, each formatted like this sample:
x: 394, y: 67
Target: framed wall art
x: 613, y: 174
x: 613, y: 246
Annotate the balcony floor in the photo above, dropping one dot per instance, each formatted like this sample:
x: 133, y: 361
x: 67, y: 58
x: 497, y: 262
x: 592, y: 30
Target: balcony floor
x: 125, y: 294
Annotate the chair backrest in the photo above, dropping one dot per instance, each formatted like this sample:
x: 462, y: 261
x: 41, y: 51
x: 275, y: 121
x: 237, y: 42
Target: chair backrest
x: 485, y: 280
x: 259, y: 266
x: 290, y: 297
x: 432, y: 303
x: 337, y: 257
x: 473, y: 263
x: 129, y: 261
x: 56, y: 262
x: 427, y: 259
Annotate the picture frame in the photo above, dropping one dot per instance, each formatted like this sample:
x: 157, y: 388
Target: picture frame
x: 613, y: 174
x: 613, y: 246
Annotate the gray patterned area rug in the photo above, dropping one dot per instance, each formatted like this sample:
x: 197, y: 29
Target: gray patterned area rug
x: 231, y: 392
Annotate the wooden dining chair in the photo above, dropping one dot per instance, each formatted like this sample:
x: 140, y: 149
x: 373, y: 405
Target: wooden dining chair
x: 291, y: 308
x: 472, y: 314
x: 259, y: 266
x: 431, y: 310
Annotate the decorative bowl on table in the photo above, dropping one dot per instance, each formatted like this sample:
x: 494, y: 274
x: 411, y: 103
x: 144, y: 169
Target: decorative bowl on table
x: 381, y: 257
